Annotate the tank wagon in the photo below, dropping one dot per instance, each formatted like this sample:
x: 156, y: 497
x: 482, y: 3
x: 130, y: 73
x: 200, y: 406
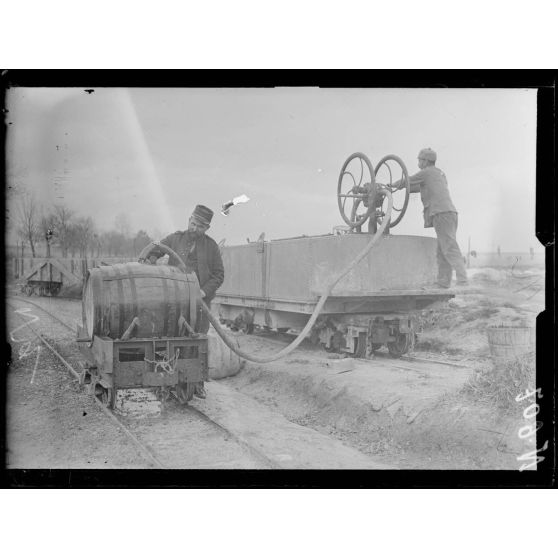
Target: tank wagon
x: 276, y: 284
x: 138, y: 331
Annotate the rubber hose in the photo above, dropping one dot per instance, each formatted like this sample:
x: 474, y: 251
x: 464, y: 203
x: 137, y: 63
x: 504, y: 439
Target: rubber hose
x: 287, y: 350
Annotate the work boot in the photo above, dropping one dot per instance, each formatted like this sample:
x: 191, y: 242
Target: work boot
x: 199, y: 391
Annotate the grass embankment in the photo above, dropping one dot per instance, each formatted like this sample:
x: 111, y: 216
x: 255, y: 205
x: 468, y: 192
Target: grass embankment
x: 459, y: 327
x: 500, y: 384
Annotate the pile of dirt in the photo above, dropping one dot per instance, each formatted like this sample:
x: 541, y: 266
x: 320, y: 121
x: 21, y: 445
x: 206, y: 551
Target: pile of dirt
x: 404, y: 414
x: 460, y: 418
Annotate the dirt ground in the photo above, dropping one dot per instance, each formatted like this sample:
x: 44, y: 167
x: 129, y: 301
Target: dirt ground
x: 500, y: 296
x: 412, y: 415
x: 408, y: 415
x: 52, y: 423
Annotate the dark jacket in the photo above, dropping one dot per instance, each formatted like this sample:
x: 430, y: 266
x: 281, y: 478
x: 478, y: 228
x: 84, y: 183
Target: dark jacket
x: 205, y: 257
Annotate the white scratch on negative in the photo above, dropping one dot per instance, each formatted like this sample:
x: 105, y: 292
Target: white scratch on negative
x: 25, y: 349
x: 36, y: 363
x: 24, y: 312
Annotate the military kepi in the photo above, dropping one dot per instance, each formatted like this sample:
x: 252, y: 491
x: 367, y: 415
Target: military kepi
x: 203, y: 214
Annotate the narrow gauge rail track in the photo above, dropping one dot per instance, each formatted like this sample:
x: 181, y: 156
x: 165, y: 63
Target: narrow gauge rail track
x: 50, y: 314
x: 271, y: 338
x: 258, y: 457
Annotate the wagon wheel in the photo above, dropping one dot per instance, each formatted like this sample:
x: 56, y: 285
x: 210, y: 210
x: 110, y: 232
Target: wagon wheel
x: 401, y: 345
x: 360, y: 350
x: 107, y: 396
x: 28, y: 290
x: 162, y: 393
x: 349, y: 188
x: 389, y: 170
x: 185, y: 391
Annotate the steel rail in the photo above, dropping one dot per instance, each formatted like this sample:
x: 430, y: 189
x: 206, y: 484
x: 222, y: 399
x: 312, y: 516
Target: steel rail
x: 192, y: 410
x: 112, y: 416
x: 269, y: 337
x: 408, y: 358
x: 254, y: 451
x: 46, y: 311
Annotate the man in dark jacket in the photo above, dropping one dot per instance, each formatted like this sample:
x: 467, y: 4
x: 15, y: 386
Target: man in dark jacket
x: 440, y: 213
x: 201, y: 255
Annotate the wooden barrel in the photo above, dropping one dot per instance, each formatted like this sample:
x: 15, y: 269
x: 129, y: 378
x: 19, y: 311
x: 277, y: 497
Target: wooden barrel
x: 114, y: 295
x: 509, y: 342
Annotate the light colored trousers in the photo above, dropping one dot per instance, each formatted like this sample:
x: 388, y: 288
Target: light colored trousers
x: 449, y: 255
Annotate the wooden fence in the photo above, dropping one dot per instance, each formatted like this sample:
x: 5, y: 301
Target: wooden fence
x: 19, y: 268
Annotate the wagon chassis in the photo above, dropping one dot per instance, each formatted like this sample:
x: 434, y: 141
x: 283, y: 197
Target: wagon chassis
x: 169, y: 364
x: 358, y: 324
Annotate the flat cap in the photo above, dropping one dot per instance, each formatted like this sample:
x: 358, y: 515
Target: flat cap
x: 428, y: 154
x: 203, y: 214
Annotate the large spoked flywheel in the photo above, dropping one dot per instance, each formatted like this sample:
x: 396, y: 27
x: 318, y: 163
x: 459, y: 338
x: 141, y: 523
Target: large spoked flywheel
x: 355, y: 186
x: 392, y: 169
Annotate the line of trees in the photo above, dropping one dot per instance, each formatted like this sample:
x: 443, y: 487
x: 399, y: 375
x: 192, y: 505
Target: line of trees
x: 62, y: 230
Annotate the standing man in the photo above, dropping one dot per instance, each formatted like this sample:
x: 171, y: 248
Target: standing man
x: 440, y: 213
x: 201, y: 255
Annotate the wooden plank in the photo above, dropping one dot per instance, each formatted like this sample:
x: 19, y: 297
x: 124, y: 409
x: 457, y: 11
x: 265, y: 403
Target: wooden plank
x: 66, y: 272
x: 390, y: 293
x: 33, y: 271
x: 73, y: 279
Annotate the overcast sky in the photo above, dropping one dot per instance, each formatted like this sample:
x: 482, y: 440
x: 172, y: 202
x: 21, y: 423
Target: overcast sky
x: 155, y: 153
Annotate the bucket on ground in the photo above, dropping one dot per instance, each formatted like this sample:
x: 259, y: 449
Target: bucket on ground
x: 507, y: 342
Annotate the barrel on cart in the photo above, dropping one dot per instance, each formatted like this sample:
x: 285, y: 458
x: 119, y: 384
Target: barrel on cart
x: 139, y: 331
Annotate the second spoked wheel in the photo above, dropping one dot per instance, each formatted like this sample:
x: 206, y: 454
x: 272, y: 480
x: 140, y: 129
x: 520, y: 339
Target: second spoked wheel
x: 389, y: 171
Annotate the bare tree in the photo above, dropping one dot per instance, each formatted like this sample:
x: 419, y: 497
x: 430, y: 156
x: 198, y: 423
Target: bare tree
x: 63, y: 221
x: 122, y: 225
x: 141, y: 240
x: 157, y: 234
x: 118, y: 243
x: 96, y: 244
x: 28, y: 225
x: 84, y: 231
x: 47, y: 228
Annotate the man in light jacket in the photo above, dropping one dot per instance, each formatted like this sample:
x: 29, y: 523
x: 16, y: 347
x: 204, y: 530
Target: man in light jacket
x: 440, y: 213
